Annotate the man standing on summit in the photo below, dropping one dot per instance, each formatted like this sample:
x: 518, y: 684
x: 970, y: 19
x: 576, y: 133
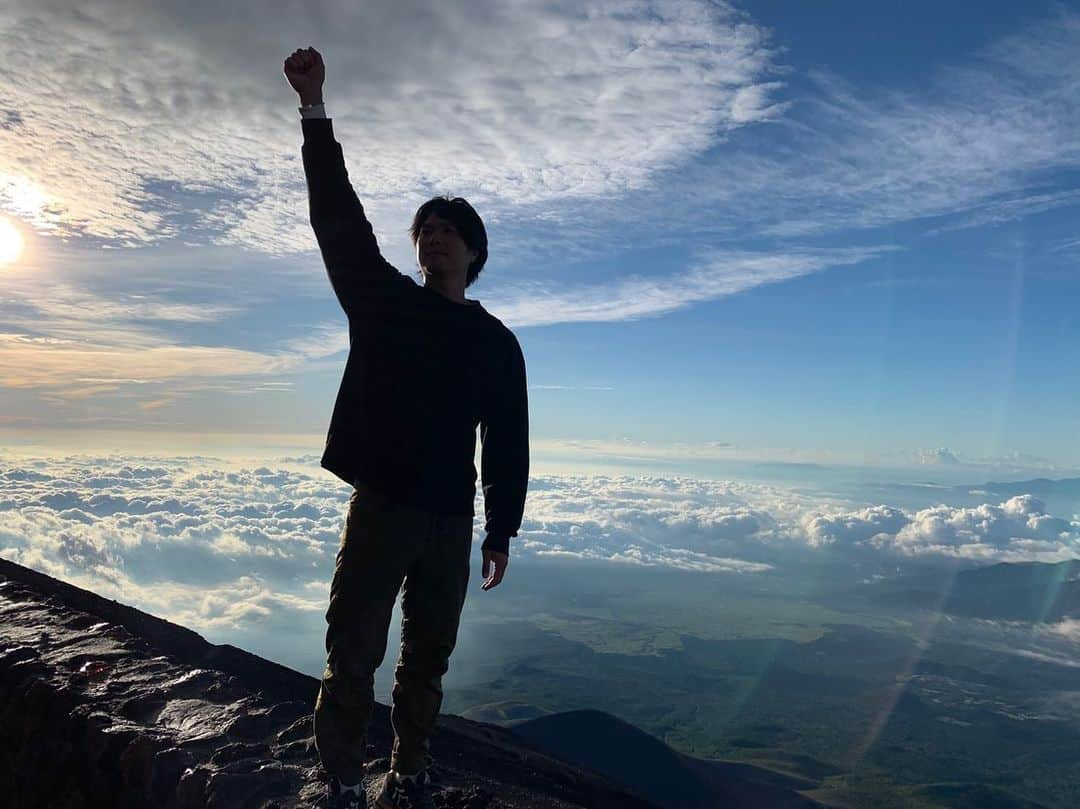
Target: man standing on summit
x: 425, y: 367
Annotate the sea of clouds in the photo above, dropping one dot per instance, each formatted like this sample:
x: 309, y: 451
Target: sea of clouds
x: 216, y: 544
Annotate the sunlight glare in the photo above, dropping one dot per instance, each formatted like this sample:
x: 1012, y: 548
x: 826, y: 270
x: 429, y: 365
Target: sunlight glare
x: 11, y: 241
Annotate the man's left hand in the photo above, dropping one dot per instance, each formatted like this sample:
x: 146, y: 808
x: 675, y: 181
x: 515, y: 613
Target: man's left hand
x: 497, y: 562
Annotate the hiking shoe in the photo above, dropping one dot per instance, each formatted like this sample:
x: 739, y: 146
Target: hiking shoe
x: 336, y: 799
x: 405, y: 792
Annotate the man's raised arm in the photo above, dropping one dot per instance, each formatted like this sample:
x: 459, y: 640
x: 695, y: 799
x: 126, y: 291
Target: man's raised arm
x: 358, y: 272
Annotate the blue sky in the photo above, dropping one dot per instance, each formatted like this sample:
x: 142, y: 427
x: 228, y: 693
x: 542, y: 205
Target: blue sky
x: 832, y: 232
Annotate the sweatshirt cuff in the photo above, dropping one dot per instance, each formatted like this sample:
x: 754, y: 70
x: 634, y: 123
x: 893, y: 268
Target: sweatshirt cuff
x: 496, y: 543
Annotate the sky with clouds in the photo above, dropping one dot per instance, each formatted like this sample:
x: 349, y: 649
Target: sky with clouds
x: 822, y: 232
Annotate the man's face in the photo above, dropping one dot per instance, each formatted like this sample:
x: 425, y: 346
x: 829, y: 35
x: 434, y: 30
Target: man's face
x: 440, y: 250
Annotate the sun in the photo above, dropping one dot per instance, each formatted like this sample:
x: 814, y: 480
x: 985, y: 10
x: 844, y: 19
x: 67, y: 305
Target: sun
x: 11, y: 241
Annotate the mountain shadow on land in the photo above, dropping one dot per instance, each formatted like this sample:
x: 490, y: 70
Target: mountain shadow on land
x: 1017, y: 591
x: 1034, y: 592
x: 973, y: 796
x: 650, y: 768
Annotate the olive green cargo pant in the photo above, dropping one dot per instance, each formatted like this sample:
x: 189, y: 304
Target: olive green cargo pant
x: 384, y: 545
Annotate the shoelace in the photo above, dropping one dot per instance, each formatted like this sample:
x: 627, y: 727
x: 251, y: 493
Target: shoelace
x: 412, y: 788
x: 349, y: 798
x: 422, y: 777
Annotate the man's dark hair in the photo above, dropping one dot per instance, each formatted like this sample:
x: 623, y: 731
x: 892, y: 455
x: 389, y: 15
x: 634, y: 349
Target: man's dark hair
x: 470, y: 227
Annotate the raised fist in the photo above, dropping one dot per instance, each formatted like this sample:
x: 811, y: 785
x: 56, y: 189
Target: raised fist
x: 306, y: 73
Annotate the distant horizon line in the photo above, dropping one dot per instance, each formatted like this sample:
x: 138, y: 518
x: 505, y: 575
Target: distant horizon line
x: 546, y: 451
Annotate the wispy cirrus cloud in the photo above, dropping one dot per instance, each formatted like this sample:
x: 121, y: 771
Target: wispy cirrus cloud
x: 594, y: 118
x: 1011, y: 209
x: 571, y: 387
x: 992, y: 137
x: 715, y: 274
x: 28, y: 364
x: 987, y: 140
x: 75, y: 369
x: 98, y: 148
x: 1066, y: 245
x: 81, y: 338
x: 586, y: 101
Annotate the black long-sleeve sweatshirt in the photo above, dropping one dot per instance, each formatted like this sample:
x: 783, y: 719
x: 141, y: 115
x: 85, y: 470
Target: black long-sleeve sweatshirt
x: 422, y: 371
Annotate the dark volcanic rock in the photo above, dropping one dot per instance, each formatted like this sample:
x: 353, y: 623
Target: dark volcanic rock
x: 105, y: 706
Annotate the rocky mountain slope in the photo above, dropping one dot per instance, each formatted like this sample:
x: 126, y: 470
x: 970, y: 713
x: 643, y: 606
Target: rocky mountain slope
x: 106, y: 706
